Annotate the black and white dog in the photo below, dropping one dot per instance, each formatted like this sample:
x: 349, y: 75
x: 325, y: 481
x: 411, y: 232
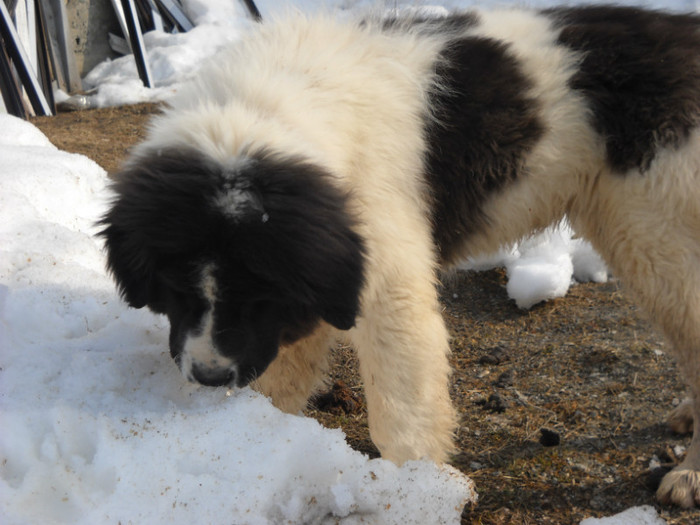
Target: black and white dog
x: 310, y: 183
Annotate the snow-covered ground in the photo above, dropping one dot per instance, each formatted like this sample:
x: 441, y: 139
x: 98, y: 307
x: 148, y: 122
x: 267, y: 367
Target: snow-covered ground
x: 98, y: 425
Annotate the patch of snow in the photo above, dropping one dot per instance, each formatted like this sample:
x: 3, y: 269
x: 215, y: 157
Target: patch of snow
x: 645, y: 515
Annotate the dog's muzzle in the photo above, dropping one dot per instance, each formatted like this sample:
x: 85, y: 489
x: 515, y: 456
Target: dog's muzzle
x: 211, y: 376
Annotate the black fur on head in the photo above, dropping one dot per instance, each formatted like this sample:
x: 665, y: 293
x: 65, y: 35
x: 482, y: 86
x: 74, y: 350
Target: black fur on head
x: 272, y: 233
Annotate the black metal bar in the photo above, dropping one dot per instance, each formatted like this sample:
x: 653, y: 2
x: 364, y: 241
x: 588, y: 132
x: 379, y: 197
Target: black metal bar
x: 176, y: 15
x: 8, y: 86
x: 253, y: 10
x: 154, y: 14
x: 136, y: 40
x: 45, y: 64
x: 16, y: 54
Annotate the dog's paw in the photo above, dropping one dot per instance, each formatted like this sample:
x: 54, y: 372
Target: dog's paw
x: 680, y: 487
x: 680, y: 420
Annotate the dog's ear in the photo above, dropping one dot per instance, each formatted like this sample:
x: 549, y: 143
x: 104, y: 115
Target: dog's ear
x: 337, y: 261
x: 305, y: 240
x: 156, y: 218
x: 326, y: 266
x: 129, y: 260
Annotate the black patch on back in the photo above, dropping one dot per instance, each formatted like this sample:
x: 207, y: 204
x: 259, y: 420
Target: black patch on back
x: 483, y: 125
x: 641, y: 75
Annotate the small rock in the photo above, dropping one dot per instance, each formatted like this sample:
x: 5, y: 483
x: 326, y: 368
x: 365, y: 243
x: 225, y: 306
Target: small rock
x: 488, y: 359
x: 597, y: 503
x: 495, y: 403
x: 549, y: 438
x: 504, y: 380
x: 495, y: 356
x: 580, y: 467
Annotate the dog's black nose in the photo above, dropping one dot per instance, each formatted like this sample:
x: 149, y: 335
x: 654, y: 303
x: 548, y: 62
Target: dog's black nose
x: 212, y: 376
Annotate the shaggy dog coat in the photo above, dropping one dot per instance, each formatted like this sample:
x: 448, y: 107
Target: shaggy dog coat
x: 313, y: 179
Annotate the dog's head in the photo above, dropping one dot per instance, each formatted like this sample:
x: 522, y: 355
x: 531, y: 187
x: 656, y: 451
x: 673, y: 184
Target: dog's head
x: 241, y: 257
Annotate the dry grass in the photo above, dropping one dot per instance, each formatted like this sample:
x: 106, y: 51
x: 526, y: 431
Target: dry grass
x: 587, y: 368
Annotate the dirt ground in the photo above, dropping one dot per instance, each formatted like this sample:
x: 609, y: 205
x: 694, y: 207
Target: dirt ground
x: 562, y: 407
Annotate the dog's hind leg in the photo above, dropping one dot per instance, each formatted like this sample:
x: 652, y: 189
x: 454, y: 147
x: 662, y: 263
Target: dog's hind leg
x: 682, y: 485
x: 647, y: 227
x: 297, y: 371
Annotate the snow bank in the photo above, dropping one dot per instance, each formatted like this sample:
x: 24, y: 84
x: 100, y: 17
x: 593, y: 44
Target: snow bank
x: 644, y: 515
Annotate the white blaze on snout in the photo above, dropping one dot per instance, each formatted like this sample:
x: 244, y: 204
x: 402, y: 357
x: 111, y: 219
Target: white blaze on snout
x: 199, y: 348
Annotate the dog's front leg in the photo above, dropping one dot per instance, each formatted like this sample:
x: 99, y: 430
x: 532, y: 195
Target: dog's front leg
x: 297, y: 371
x: 403, y: 348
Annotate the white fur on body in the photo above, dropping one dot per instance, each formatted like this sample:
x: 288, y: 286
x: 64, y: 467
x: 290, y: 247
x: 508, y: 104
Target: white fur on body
x: 353, y: 100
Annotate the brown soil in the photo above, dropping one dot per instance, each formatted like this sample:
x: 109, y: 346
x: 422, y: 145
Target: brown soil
x: 562, y: 407
x: 103, y: 135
